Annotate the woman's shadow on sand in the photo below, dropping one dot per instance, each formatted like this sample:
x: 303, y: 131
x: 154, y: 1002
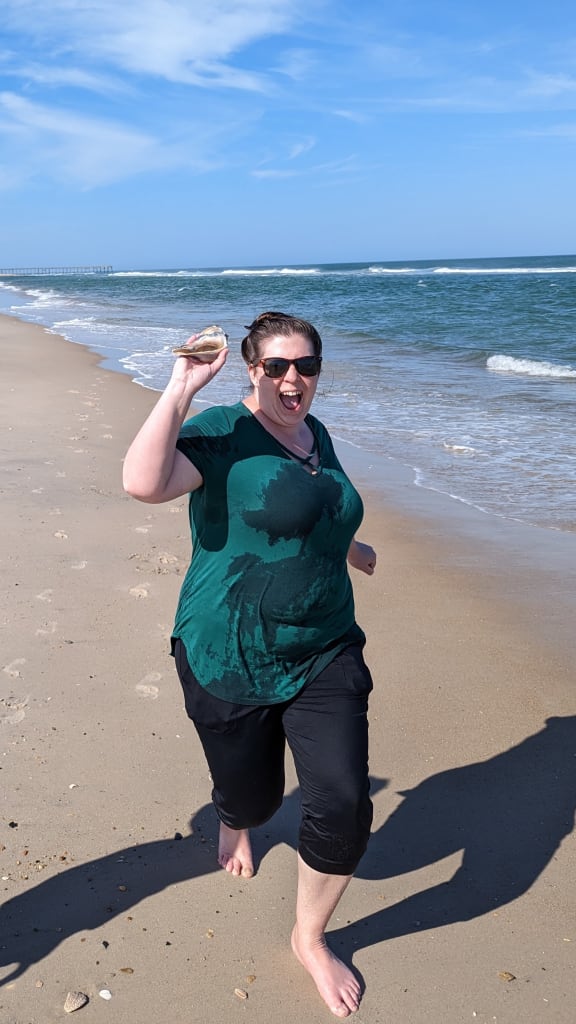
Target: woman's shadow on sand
x: 507, y: 814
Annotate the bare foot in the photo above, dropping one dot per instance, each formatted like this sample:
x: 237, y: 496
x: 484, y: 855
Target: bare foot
x: 235, y: 851
x: 335, y: 982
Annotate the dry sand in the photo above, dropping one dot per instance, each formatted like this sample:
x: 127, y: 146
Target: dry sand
x: 463, y: 908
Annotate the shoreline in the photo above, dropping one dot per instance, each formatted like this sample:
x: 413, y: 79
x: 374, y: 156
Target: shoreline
x: 506, y: 556
x: 473, y: 723
x: 509, y: 464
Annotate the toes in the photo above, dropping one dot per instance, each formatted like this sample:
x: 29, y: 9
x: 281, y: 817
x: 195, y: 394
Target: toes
x: 340, y: 1011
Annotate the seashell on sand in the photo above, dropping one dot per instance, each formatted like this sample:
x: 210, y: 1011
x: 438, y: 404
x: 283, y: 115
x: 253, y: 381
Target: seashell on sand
x: 75, y: 1001
x: 206, y: 347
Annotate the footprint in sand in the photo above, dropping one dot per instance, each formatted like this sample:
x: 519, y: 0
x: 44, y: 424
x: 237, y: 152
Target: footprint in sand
x: 140, y: 591
x: 12, y: 709
x: 146, y: 687
x: 165, y: 558
x: 12, y: 669
x: 48, y: 629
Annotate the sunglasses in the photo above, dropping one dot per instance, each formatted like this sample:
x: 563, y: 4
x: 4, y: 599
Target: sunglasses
x: 276, y: 366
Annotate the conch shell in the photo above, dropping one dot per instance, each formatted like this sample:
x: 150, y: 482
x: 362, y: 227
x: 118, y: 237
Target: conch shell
x: 206, y: 347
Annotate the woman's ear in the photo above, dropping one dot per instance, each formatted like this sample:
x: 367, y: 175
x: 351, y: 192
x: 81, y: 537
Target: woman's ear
x: 254, y: 375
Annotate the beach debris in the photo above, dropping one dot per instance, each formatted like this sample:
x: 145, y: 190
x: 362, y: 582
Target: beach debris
x: 75, y: 1001
x: 210, y: 933
x: 251, y: 978
x: 241, y: 993
x: 127, y: 970
x: 105, y: 993
x: 206, y: 346
x: 506, y: 976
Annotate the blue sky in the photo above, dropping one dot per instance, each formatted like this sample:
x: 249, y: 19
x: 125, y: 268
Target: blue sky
x: 165, y: 133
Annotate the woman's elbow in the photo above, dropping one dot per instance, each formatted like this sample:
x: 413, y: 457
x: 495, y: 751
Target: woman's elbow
x: 137, y: 489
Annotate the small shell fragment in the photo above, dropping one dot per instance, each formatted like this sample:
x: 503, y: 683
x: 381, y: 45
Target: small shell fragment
x: 506, y: 976
x: 105, y: 993
x: 75, y: 1001
x: 240, y: 993
x: 206, y: 346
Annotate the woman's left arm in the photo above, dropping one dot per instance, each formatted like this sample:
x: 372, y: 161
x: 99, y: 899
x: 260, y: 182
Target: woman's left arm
x: 362, y: 556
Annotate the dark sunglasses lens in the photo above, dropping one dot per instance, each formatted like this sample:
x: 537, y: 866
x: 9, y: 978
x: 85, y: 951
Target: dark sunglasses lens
x: 275, y: 367
x: 307, y: 366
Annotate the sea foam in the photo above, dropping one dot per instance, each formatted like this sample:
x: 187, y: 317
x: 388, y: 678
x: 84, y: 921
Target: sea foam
x: 529, y: 367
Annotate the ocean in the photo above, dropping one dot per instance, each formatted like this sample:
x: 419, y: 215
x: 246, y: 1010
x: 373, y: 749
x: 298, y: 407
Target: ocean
x: 462, y: 372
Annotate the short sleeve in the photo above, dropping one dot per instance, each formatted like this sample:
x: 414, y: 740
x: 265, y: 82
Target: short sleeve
x: 206, y: 439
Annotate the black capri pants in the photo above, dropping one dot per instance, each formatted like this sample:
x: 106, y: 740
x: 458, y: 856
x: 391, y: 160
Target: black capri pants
x: 326, y: 727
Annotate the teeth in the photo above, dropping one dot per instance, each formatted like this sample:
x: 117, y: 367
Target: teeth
x: 291, y: 394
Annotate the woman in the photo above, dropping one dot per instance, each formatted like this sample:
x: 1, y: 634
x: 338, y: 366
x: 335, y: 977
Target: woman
x: 266, y: 644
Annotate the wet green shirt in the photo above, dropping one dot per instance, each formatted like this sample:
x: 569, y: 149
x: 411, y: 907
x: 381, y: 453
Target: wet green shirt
x: 267, y: 601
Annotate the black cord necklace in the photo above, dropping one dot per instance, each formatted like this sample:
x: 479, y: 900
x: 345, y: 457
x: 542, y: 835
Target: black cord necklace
x: 304, y: 460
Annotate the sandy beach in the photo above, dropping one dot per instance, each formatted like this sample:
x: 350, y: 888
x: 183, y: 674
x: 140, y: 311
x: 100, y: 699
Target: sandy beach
x: 463, y: 908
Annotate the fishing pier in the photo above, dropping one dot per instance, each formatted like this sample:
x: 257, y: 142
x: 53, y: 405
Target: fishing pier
x: 52, y: 271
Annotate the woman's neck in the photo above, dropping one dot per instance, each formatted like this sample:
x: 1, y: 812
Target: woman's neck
x: 298, y: 435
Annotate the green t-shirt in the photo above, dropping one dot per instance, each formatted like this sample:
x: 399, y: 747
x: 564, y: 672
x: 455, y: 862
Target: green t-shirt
x: 267, y: 600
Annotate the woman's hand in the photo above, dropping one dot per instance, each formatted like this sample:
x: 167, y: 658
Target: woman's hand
x: 362, y: 557
x: 193, y: 373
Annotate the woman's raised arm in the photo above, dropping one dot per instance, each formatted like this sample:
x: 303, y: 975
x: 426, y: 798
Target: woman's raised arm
x: 154, y: 470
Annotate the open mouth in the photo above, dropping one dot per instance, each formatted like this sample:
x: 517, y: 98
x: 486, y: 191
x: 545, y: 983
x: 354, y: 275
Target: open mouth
x: 291, y: 399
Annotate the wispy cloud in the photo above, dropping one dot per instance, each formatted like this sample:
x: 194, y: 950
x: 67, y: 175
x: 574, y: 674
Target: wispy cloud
x: 278, y: 174
x: 301, y: 147
x: 171, y: 39
x: 550, y: 85
x: 554, y: 131
x: 77, y: 78
x: 86, y: 151
x: 351, y: 115
x: 297, y: 64
x: 343, y: 166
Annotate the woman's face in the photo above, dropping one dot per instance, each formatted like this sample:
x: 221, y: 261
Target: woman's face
x: 286, y: 400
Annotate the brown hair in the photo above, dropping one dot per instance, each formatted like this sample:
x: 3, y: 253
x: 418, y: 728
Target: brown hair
x: 266, y: 325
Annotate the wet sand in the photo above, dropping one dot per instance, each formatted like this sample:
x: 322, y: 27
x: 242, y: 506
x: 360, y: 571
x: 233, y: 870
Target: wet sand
x: 463, y: 908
